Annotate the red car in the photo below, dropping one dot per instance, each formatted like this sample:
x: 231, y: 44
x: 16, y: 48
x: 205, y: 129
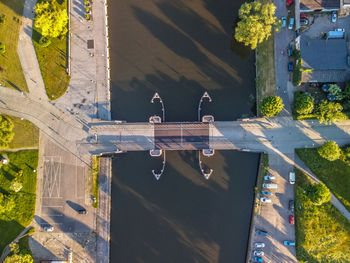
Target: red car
x: 289, y: 2
x: 303, y: 16
x: 291, y: 220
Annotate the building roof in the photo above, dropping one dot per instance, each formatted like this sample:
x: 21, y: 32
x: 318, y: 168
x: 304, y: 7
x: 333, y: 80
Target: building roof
x: 319, y: 4
x: 322, y: 54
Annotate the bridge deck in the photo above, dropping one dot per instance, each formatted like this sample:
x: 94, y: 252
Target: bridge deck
x: 181, y: 136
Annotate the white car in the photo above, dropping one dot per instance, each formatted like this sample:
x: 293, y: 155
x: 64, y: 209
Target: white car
x: 334, y: 17
x: 48, y: 228
x: 259, y: 253
x: 259, y: 245
x: 269, y: 177
x: 292, y: 178
x: 265, y: 200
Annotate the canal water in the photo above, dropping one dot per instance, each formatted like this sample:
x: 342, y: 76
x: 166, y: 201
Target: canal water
x: 180, y: 49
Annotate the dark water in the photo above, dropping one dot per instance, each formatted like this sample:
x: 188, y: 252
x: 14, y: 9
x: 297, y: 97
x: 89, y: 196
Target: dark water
x: 180, y: 49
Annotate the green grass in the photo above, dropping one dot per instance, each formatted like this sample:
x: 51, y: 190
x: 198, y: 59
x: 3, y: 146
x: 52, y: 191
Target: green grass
x: 11, y: 224
x: 95, y: 175
x: 322, y: 233
x: 11, y: 74
x: 336, y: 175
x: 263, y: 170
x: 53, y: 62
x: 26, y: 134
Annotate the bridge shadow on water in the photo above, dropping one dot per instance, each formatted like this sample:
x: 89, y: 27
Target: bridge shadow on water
x: 182, y: 217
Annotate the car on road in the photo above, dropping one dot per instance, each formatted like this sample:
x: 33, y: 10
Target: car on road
x: 270, y: 186
x: 334, y: 17
x: 289, y: 243
x: 261, y: 232
x: 291, y: 23
x: 290, y: 50
x: 292, y: 178
x: 258, y: 253
x: 259, y: 245
x: 266, y: 192
x: 289, y: 2
x: 265, y: 200
x: 284, y: 21
x: 304, y: 22
x: 48, y: 228
x: 290, y: 66
x: 291, y: 205
x: 258, y: 259
x: 291, y: 220
x: 82, y: 211
x: 269, y: 177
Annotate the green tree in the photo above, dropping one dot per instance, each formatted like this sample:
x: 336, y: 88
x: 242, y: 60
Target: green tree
x: 16, y: 186
x: 19, y: 258
x: 7, y: 203
x: 51, y: 20
x: 330, y: 151
x: 303, y: 103
x: 329, y: 112
x: 318, y: 193
x: 256, y: 23
x: 6, y: 132
x: 271, y: 106
x: 336, y: 91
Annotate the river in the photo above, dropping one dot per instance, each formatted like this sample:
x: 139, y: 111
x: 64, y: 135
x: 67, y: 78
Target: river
x: 180, y: 49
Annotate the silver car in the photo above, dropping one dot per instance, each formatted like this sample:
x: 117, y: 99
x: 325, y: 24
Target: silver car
x: 259, y: 245
x: 258, y: 253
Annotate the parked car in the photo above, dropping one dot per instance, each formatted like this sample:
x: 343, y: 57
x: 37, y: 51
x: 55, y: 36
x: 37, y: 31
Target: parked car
x: 269, y: 177
x: 304, y: 22
x: 291, y: 220
x: 289, y: 243
x: 266, y: 192
x: 270, y: 186
x: 265, y: 200
x: 48, y: 228
x: 261, y: 232
x: 290, y: 66
x: 284, y: 21
x: 334, y: 17
x: 291, y: 23
x: 303, y: 16
x: 82, y: 211
x: 258, y: 259
x: 259, y: 245
x: 258, y: 253
x: 291, y: 205
x: 289, y: 2
x: 290, y: 50
x: 292, y: 178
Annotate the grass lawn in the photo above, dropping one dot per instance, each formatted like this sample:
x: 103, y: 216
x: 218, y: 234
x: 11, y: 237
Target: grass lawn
x: 13, y: 222
x: 11, y: 74
x: 336, y: 175
x: 26, y: 134
x: 265, y: 69
x: 322, y: 233
x: 95, y: 174
x: 53, y: 62
x: 263, y: 170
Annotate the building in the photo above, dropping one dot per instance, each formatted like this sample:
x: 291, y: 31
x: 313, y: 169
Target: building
x: 321, y: 5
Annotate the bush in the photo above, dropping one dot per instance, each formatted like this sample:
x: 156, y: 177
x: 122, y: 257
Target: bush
x: 297, y: 68
x: 335, y: 91
x: 318, y: 193
x: 44, y: 41
x: 6, y: 132
x: 87, y: 16
x: 329, y: 112
x: 303, y: 103
x: 271, y: 106
x: 330, y: 151
x: 2, y: 48
x: 2, y: 20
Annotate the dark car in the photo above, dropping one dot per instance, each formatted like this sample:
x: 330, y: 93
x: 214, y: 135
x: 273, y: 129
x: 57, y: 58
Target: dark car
x: 304, y: 22
x: 290, y: 66
x: 291, y: 205
x: 261, y: 232
x: 290, y: 51
x: 82, y: 211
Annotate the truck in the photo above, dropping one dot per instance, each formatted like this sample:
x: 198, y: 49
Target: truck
x: 335, y: 34
x: 270, y: 186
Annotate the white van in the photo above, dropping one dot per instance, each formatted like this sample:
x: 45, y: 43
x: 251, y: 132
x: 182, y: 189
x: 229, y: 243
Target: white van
x: 270, y: 186
x: 291, y: 177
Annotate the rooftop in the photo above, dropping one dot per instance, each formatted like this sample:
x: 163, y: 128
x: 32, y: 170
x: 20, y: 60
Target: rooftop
x: 319, y: 4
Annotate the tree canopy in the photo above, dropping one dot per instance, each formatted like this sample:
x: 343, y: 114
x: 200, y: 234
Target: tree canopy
x: 51, y: 20
x: 271, y: 106
x: 256, y: 23
x: 303, y: 103
x: 330, y: 151
x: 6, y: 132
x: 329, y: 112
x: 319, y: 193
x: 19, y: 258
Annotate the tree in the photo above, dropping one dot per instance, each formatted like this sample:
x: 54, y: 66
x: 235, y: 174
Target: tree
x: 330, y: 151
x: 335, y: 91
x: 51, y: 20
x: 303, y: 103
x: 271, y: 106
x: 256, y: 23
x: 6, y: 132
x: 7, y: 203
x: 19, y: 258
x: 318, y: 193
x: 16, y: 186
x: 329, y: 112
